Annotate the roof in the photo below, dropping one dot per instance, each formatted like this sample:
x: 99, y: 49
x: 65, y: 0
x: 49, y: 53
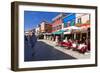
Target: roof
x: 58, y: 16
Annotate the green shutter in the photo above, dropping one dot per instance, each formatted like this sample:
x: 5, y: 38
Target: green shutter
x: 72, y: 23
x: 65, y: 24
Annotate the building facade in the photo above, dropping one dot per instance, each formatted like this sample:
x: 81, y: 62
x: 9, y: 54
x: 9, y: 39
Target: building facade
x: 83, y: 21
x: 57, y: 23
x: 37, y: 31
x: 45, y: 28
x: 69, y: 20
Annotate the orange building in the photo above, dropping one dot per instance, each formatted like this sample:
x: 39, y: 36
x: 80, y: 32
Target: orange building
x: 45, y: 27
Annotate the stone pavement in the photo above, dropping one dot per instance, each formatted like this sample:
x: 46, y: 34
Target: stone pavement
x: 43, y: 51
x: 70, y: 52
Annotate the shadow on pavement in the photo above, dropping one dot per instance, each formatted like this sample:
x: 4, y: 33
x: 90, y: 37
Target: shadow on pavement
x: 44, y: 52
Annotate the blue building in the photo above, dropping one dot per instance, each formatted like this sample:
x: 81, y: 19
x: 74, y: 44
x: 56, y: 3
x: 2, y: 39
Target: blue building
x: 69, y: 20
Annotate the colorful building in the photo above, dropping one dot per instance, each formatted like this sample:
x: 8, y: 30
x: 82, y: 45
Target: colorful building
x: 57, y: 25
x: 37, y: 31
x: 83, y: 21
x: 75, y: 26
x: 45, y: 28
x: 57, y: 22
x: 69, y: 20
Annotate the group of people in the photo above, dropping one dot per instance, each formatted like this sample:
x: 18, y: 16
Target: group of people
x: 30, y: 40
x: 29, y: 44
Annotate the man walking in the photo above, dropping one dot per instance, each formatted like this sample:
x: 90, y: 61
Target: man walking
x: 33, y: 40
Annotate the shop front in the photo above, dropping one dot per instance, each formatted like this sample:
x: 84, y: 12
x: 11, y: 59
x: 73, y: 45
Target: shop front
x: 71, y: 32
x: 58, y: 34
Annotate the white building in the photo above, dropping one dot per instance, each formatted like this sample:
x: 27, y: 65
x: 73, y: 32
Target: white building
x: 82, y: 18
x: 37, y: 31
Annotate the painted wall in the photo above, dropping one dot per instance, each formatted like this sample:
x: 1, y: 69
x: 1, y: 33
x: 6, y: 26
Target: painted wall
x: 42, y: 27
x: 48, y: 28
x: 56, y: 25
x: 69, y: 20
x: 84, y: 18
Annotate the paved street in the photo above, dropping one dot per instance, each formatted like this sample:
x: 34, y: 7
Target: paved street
x: 70, y: 52
x: 44, y: 51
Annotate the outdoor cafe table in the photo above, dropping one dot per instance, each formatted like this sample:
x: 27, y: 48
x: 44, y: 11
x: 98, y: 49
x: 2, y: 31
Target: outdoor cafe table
x: 81, y: 46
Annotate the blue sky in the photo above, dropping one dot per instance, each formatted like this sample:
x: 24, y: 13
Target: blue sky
x: 33, y: 18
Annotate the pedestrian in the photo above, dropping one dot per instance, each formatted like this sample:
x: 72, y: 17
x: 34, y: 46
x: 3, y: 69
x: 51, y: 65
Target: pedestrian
x: 27, y: 49
x: 33, y: 40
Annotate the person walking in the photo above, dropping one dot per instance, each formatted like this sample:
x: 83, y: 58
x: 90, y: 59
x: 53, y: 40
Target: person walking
x: 29, y: 43
x: 33, y: 40
x: 27, y: 49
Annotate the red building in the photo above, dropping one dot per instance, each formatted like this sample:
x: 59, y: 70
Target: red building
x: 57, y: 23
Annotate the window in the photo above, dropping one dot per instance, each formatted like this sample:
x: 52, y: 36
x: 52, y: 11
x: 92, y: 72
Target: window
x: 60, y: 27
x: 79, y: 20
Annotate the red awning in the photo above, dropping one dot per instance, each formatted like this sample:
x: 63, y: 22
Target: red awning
x: 86, y: 25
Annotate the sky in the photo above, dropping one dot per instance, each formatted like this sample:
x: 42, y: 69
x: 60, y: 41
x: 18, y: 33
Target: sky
x: 33, y: 18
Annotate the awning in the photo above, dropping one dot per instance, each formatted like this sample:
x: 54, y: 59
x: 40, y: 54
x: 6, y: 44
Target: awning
x: 85, y: 26
x: 71, y: 28
x: 58, y: 32
x: 67, y: 32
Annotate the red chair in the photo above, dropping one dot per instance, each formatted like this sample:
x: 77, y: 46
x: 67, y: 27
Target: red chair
x: 65, y: 44
x: 74, y: 48
x: 61, y: 43
x: 83, y: 49
x: 69, y: 45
